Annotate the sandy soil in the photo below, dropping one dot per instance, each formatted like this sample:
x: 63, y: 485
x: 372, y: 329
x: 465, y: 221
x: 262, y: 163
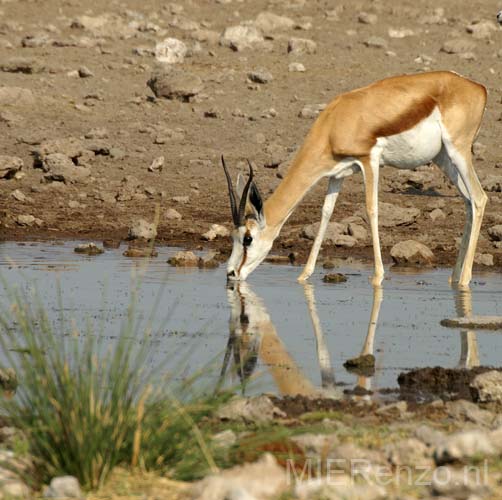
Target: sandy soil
x: 231, y: 115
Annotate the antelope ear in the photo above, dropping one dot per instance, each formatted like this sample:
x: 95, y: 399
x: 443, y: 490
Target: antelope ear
x: 240, y: 185
x: 256, y: 203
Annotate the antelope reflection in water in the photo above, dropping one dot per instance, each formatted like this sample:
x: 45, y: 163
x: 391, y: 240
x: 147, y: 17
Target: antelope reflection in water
x: 253, y: 336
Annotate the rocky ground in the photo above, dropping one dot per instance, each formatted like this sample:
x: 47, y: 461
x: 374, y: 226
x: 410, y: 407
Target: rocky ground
x: 87, y: 147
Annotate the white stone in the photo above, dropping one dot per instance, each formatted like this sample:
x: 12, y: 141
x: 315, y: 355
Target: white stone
x: 170, y: 51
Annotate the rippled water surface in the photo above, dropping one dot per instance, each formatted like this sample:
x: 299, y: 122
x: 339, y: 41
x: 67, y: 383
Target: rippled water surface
x: 283, y: 336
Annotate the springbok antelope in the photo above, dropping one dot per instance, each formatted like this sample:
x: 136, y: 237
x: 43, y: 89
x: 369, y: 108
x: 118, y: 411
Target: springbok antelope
x: 404, y: 121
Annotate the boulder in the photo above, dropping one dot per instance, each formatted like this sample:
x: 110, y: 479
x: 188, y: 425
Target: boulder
x: 411, y: 252
x: 261, y: 479
x: 63, y: 487
x: 297, y: 46
x: 487, y: 387
x: 174, y: 84
x: 495, y: 232
x: 464, y: 446
x: 170, y: 51
x: 458, y: 46
x: 16, y: 96
x: 184, y: 259
x: 9, y: 166
x: 269, y: 22
x: 241, y: 37
x: 141, y: 229
x: 258, y: 409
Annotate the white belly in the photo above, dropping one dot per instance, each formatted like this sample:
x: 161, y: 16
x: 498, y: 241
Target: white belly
x: 414, y: 147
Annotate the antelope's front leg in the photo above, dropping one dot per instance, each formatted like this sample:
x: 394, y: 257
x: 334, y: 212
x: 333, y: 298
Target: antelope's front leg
x: 371, y: 171
x: 334, y: 187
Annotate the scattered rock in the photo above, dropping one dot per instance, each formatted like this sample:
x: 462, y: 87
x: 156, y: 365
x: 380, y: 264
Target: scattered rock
x: 376, y: 42
x: 484, y: 259
x: 270, y: 23
x: 456, y: 483
x: 224, y: 439
x: 257, y: 409
x: 390, y: 215
x: 184, y: 259
x: 495, y: 232
x: 367, y: 18
x: 482, y: 29
x: 409, y: 452
x: 85, y: 72
x: 175, y: 84
x: 170, y: 51
x: 157, y: 164
x: 463, y: 446
x: 260, y: 76
x: 215, y: 231
x: 183, y: 200
x: 400, y: 33
x: 487, y: 386
x: 411, y: 252
x: 209, y: 260
x: 298, y: 46
x: 311, y: 110
x: 63, y: 487
x: 28, y: 220
x: 463, y: 410
x: 241, y: 37
x: 60, y: 168
x: 334, y: 278
x: 141, y: 229
x: 338, y: 487
x: 10, y: 166
x: 172, y: 214
x: 88, y: 249
x: 437, y: 214
x: 492, y: 183
x: 18, y: 195
x: 458, y: 46
x: 244, y: 482
x: 16, y: 96
x: 296, y: 67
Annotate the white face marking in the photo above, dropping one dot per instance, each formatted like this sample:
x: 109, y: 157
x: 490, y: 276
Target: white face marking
x: 414, y: 147
x: 245, y: 258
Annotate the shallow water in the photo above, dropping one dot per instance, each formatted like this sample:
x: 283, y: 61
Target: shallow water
x: 285, y: 337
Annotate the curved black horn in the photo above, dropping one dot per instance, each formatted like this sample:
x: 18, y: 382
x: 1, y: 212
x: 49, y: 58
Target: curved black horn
x: 231, y: 194
x: 244, y: 197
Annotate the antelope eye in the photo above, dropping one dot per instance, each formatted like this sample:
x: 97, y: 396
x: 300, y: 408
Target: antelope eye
x: 247, y: 240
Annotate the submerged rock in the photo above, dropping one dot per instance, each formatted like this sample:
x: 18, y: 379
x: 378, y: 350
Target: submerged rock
x: 334, y: 278
x: 88, y: 249
x: 184, y: 259
x: 474, y: 322
x: 140, y: 251
x: 364, y: 364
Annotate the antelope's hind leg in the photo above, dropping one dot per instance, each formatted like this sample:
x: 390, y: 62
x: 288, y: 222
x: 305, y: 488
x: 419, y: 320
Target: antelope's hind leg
x: 371, y: 171
x: 334, y: 187
x: 457, y: 165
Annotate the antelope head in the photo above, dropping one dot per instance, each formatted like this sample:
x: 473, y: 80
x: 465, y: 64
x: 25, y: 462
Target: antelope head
x: 251, y: 241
